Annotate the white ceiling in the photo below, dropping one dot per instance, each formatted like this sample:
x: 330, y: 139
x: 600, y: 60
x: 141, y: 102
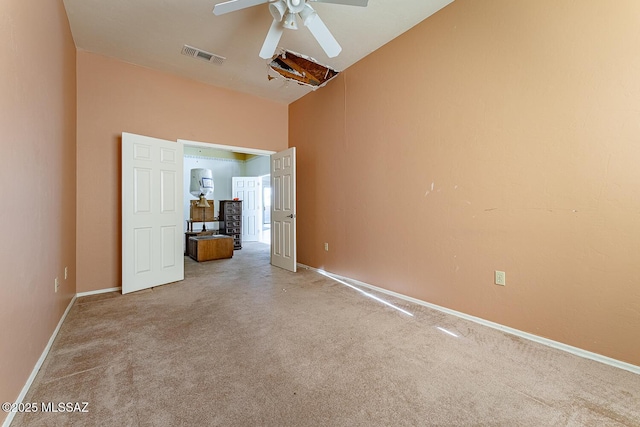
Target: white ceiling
x: 151, y: 33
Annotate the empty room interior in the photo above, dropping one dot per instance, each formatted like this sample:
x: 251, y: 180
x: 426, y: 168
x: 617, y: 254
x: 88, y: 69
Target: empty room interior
x: 466, y: 216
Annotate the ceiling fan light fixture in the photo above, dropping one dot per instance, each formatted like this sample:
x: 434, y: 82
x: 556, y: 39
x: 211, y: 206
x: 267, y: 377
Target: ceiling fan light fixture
x: 307, y: 14
x: 290, y: 21
x: 278, y: 9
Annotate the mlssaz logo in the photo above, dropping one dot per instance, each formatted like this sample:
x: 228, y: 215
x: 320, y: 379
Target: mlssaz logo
x: 65, y: 407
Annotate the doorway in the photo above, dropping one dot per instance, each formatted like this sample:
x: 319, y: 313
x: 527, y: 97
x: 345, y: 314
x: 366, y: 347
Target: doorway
x: 282, y: 167
x: 231, y: 161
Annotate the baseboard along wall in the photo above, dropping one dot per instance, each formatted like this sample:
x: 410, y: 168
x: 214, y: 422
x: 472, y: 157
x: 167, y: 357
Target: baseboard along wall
x: 45, y: 352
x: 531, y: 337
x: 36, y: 368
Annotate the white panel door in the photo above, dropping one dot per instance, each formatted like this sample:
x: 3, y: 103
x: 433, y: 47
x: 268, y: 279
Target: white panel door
x: 151, y: 212
x: 283, y: 209
x: 249, y: 190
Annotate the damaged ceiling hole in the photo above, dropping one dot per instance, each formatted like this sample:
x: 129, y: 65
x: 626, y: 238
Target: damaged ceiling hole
x: 301, y: 69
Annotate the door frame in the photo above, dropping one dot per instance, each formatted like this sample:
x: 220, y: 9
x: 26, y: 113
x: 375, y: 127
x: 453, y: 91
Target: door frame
x: 244, y: 150
x: 236, y: 149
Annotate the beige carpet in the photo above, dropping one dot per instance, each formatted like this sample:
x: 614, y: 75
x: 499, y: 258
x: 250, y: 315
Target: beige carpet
x: 241, y: 343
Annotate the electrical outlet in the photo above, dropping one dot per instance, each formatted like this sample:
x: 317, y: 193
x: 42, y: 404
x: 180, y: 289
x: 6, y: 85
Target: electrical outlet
x: 57, y: 284
x: 501, y: 278
x: 66, y: 273
x: 326, y: 247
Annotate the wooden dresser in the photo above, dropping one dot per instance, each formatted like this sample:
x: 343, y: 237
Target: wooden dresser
x: 231, y: 220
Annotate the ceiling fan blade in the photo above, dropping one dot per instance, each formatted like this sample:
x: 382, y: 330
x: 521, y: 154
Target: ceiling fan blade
x: 320, y: 31
x: 233, y: 5
x: 271, y: 41
x: 362, y: 3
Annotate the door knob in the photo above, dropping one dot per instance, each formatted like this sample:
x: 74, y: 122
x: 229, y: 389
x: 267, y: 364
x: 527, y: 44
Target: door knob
x: 291, y: 216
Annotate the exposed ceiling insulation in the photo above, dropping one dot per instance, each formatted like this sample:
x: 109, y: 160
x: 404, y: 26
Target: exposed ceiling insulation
x: 301, y: 69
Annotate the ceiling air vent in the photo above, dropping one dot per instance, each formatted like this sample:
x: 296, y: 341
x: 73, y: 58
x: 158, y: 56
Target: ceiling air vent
x: 201, y: 54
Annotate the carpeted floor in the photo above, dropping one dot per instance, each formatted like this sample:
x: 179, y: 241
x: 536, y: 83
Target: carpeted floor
x: 242, y: 343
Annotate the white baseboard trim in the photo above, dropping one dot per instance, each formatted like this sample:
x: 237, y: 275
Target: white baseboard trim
x: 99, y: 291
x: 531, y: 337
x: 36, y: 368
x: 45, y: 352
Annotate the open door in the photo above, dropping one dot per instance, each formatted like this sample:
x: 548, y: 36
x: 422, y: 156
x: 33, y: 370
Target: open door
x: 151, y: 212
x: 283, y: 209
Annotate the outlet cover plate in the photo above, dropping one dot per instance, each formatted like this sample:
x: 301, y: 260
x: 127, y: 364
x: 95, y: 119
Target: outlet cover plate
x: 500, y: 278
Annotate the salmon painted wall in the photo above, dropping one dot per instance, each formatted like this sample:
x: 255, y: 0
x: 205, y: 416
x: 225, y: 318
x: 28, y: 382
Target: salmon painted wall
x: 496, y: 135
x: 37, y: 182
x: 116, y: 97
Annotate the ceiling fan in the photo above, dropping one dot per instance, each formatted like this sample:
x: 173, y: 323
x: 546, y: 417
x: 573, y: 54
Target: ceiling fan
x: 284, y: 16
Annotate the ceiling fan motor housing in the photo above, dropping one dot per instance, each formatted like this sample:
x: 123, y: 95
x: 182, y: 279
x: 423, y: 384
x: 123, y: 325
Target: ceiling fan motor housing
x: 295, y: 6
